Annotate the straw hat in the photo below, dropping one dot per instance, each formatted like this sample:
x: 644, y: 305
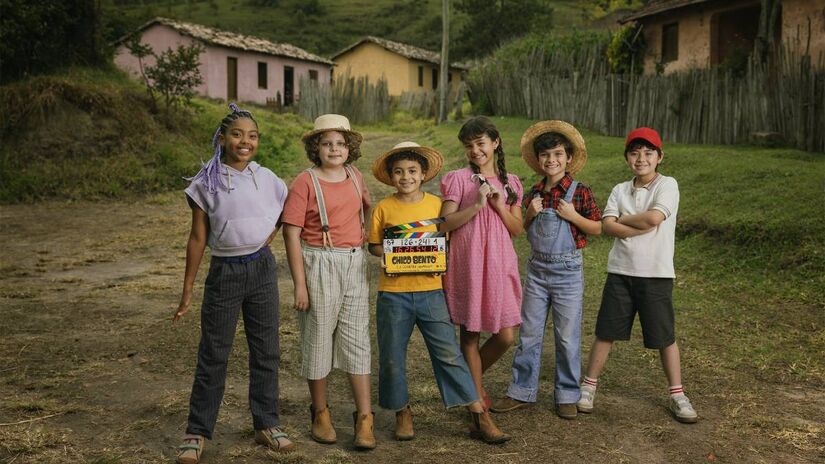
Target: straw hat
x: 433, y: 157
x: 331, y: 122
x: 566, y: 129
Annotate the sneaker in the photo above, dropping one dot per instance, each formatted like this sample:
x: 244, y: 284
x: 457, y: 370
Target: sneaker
x: 585, y: 403
x: 682, y: 410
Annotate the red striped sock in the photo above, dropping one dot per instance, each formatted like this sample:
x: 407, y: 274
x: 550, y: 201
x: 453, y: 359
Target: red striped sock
x: 676, y: 390
x: 590, y: 382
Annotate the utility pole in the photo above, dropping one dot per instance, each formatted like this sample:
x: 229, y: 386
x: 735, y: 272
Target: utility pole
x: 445, y: 61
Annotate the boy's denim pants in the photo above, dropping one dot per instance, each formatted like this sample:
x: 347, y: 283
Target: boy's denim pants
x: 397, y: 313
x: 556, y: 283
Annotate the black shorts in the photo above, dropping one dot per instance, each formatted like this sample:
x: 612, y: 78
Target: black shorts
x: 624, y: 296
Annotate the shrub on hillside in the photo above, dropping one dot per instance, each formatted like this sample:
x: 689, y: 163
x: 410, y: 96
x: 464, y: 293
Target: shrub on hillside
x: 626, y: 50
x: 174, y: 75
x: 92, y: 134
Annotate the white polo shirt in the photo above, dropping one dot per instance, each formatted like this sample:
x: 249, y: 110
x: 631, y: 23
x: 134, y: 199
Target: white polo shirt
x: 649, y: 254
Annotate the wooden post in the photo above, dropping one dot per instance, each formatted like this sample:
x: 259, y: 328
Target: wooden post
x: 445, y: 61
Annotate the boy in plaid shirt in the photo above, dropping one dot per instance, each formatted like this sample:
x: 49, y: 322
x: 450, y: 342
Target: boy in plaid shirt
x: 561, y: 212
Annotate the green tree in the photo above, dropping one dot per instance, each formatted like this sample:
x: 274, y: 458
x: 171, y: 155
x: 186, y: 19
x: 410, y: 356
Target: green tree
x: 38, y: 36
x: 626, y: 50
x: 489, y: 23
x: 174, y: 75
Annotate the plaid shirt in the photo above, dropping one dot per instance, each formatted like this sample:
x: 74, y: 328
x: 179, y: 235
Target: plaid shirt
x: 583, y: 200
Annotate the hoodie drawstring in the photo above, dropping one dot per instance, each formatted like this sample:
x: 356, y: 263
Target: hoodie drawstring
x: 229, y: 179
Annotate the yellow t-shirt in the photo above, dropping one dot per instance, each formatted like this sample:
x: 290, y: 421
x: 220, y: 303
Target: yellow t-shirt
x: 391, y: 212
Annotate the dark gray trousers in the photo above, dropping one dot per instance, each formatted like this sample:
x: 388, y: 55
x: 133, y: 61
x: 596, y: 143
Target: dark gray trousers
x: 250, y: 287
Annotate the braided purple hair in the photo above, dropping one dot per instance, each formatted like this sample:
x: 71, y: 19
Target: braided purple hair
x: 210, y: 173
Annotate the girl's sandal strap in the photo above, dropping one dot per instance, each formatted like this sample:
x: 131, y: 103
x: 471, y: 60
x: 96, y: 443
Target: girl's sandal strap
x: 189, y: 446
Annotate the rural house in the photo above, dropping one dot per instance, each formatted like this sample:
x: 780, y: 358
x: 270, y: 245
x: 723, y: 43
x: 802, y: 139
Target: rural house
x: 405, y: 67
x: 683, y: 34
x: 234, y: 66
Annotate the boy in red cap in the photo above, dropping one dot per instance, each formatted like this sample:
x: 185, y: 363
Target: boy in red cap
x: 641, y: 214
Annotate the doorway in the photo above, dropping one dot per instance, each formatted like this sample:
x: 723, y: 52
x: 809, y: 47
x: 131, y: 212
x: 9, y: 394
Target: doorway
x: 289, y: 85
x: 231, y: 78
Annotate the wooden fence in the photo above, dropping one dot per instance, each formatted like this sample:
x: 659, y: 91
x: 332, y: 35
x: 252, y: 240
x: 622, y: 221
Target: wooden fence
x: 786, y: 94
x: 357, y: 98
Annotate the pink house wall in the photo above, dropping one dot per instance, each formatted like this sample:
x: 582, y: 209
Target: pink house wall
x: 214, y: 66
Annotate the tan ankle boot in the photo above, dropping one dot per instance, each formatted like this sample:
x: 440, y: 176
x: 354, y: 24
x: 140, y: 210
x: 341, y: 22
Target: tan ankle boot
x: 322, y: 430
x: 404, y: 425
x: 483, y: 428
x: 364, y: 438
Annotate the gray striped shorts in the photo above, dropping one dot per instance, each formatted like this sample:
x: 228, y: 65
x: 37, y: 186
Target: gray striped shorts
x: 335, y: 329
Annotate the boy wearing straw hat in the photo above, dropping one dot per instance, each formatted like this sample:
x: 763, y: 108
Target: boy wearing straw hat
x: 561, y: 213
x: 409, y: 300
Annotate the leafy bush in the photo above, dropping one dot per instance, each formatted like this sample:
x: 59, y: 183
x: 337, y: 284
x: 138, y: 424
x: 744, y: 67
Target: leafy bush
x: 175, y: 73
x: 626, y: 50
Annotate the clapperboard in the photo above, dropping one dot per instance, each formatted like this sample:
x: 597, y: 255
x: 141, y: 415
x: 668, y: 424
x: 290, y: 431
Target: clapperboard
x: 407, y: 252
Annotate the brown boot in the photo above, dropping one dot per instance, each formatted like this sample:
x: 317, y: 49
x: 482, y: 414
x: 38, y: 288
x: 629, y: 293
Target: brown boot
x: 404, y: 425
x: 483, y: 428
x: 364, y: 438
x: 322, y: 430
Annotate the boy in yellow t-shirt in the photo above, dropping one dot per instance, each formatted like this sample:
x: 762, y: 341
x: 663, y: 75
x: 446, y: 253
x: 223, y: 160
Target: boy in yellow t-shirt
x: 405, y: 301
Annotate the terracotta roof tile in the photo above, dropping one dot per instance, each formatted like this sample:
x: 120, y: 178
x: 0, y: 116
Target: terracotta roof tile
x: 234, y: 40
x: 405, y: 50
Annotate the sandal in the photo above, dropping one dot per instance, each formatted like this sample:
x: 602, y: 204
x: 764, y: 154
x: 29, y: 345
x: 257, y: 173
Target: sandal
x: 275, y: 439
x: 190, y: 451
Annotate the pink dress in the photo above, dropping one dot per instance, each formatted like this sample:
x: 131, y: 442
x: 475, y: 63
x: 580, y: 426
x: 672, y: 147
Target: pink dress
x: 482, y: 283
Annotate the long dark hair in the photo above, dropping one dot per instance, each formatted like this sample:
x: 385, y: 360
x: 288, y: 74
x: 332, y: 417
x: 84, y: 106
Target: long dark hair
x: 210, y: 173
x: 477, y: 127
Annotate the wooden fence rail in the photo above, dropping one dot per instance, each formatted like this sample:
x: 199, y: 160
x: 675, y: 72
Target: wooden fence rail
x: 357, y: 98
x: 786, y: 95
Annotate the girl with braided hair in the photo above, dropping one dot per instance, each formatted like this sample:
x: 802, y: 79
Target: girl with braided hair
x: 482, y: 284
x: 236, y: 208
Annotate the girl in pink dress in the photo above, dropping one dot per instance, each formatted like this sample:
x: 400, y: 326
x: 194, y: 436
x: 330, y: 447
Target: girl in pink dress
x: 481, y: 205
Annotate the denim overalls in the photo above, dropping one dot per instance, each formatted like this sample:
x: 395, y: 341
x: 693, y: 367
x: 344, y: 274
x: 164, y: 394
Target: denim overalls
x: 554, y: 278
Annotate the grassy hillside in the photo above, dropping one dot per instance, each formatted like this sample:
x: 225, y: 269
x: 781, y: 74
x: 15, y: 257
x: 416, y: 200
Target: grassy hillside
x: 90, y: 134
x: 324, y: 29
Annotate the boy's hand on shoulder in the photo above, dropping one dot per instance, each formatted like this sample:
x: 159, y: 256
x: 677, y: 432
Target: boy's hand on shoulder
x: 535, y: 207
x: 566, y: 210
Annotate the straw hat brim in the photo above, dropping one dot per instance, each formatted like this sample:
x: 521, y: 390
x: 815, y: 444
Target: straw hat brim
x: 433, y: 157
x: 579, y: 157
x: 313, y: 132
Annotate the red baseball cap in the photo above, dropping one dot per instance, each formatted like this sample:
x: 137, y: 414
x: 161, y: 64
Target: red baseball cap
x: 645, y: 133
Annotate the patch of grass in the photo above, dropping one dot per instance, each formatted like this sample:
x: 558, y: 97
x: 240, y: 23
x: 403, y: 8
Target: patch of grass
x: 749, y: 251
x: 30, y: 440
x: 337, y: 456
x: 92, y: 134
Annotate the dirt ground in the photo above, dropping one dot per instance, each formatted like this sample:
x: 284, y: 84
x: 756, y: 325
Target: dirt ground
x: 92, y: 370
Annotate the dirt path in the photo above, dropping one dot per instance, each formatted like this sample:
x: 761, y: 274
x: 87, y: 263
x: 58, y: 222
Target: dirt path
x: 93, y: 371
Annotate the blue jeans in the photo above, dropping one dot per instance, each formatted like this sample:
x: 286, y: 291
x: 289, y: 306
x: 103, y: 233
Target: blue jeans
x: 396, y: 315
x: 559, y: 284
